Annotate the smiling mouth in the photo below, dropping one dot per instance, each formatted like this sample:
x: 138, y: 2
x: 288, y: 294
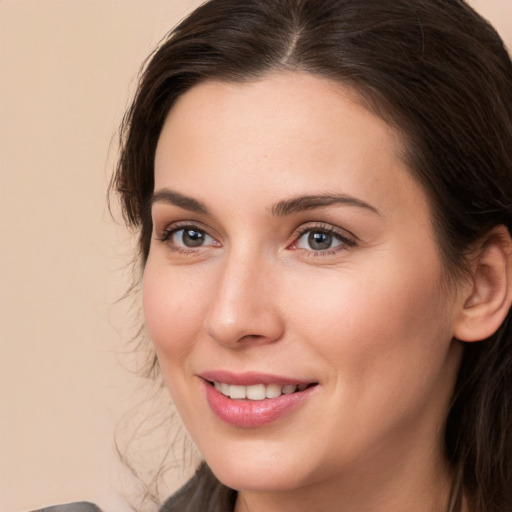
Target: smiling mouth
x: 258, y: 391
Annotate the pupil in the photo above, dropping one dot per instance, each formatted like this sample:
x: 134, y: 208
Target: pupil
x: 319, y: 241
x: 192, y: 238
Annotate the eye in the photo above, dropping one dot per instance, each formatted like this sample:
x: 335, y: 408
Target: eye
x: 186, y: 238
x: 321, y: 239
x: 317, y: 241
x: 190, y: 237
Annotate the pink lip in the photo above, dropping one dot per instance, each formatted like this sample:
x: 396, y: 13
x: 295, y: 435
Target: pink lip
x: 251, y: 413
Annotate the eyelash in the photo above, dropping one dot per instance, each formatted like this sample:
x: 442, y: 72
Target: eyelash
x: 345, y: 241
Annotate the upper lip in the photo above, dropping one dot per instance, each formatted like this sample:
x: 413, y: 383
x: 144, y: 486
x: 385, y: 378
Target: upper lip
x: 250, y: 378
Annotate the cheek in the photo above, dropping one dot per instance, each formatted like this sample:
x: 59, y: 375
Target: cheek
x: 384, y: 342
x: 387, y: 324
x: 173, y: 313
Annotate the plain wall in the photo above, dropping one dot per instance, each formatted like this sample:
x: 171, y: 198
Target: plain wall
x: 67, y: 69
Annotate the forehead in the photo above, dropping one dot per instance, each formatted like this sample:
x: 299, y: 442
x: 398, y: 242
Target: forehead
x: 282, y: 134
x: 281, y: 100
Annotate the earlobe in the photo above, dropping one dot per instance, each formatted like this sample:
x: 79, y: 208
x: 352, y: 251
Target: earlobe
x: 489, y: 300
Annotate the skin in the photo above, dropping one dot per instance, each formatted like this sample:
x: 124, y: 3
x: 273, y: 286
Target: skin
x: 368, y: 319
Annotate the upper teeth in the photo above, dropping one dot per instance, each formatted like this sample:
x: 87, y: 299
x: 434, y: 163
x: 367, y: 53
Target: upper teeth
x: 257, y: 391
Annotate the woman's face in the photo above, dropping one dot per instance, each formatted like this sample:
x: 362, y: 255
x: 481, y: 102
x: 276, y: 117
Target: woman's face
x: 293, y: 262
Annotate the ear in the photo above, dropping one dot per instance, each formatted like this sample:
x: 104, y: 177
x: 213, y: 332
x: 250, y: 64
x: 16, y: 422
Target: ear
x: 488, y: 301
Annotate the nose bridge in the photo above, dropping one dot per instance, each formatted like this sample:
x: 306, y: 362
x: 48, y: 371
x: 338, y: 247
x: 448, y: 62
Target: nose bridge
x: 243, y: 307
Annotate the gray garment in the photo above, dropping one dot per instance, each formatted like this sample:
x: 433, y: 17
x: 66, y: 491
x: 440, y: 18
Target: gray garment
x: 79, y: 506
x: 202, y: 493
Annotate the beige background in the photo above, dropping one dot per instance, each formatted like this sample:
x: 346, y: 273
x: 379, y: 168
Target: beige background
x: 67, y: 69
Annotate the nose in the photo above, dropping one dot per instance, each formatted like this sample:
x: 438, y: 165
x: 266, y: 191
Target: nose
x: 244, y: 309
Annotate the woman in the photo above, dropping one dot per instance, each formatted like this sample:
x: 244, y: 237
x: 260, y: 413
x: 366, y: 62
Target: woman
x: 322, y: 191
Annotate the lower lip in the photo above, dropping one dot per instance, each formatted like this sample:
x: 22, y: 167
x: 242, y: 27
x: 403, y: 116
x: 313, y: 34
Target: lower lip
x: 253, y: 413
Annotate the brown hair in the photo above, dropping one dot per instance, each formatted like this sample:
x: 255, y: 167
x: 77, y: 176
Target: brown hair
x: 435, y: 70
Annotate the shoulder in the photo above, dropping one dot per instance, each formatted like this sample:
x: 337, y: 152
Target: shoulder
x: 79, y: 506
x: 202, y: 492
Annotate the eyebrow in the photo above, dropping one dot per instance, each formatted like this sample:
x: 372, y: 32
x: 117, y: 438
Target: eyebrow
x: 280, y: 209
x: 167, y: 196
x: 303, y: 203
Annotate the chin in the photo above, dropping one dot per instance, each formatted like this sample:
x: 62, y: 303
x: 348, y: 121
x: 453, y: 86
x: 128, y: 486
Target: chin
x: 257, y: 469
x: 247, y: 477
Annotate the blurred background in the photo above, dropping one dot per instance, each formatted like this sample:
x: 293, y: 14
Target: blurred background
x: 67, y: 71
